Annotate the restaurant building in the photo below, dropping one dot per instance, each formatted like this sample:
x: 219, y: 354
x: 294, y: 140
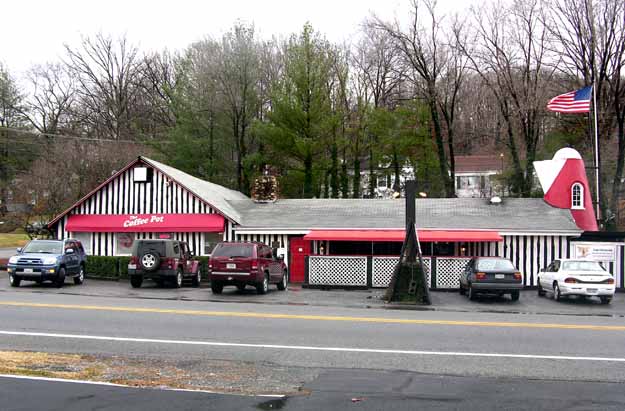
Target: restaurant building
x: 325, y: 242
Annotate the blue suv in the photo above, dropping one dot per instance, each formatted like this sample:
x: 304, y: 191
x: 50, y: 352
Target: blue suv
x: 48, y: 260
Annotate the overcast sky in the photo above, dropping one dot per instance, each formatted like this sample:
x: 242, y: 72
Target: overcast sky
x: 34, y: 31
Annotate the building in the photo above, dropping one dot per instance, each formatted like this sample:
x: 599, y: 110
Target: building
x: 474, y: 175
x: 326, y: 242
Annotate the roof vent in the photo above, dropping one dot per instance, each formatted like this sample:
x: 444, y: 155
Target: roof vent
x: 495, y: 200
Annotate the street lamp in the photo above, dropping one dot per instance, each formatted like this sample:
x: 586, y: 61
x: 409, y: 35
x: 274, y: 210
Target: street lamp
x: 501, y: 157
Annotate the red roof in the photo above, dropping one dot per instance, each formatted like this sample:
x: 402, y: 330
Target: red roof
x: 478, y: 164
x: 398, y: 235
x: 139, y: 223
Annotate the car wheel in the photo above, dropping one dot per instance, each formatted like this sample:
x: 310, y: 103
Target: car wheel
x: 216, y: 287
x: 462, y: 290
x: 178, y: 281
x: 556, y: 292
x: 514, y: 295
x: 471, y: 293
x: 150, y: 261
x: 197, y: 279
x: 80, y: 278
x: 263, y: 286
x: 283, y: 284
x: 606, y: 300
x: 60, y: 278
x: 136, y: 281
x: 14, y: 280
x: 541, y: 291
x: 240, y: 287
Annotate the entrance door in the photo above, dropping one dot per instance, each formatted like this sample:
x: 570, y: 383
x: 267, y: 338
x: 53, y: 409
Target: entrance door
x: 300, y: 248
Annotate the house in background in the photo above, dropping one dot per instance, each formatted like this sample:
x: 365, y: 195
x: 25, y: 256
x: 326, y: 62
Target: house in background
x: 474, y: 175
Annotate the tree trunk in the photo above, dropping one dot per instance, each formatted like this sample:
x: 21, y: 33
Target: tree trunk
x: 344, y: 177
x: 334, y: 171
x: 396, y: 171
x: 372, y: 178
x: 211, y: 146
x: 440, y: 147
x: 356, y: 179
x: 308, y: 174
x: 620, y: 160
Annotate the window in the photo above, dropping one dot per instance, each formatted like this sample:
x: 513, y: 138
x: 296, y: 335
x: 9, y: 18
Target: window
x: 234, y: 250
x: 85, y: 240
x: 577, y: 197
x: 124, y: 243
x: 210, y: 241
x: 494, y: 264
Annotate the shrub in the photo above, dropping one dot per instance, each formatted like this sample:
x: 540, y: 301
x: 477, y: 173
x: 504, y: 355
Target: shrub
x: 203, y: 266
x: 122, y: 265
x: 102, y: 267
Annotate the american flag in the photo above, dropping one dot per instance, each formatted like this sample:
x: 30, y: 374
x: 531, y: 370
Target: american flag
x: 572, y: 102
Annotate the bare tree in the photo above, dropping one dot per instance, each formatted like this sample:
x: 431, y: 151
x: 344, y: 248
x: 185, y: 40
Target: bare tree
x: 510, y: 55
x: 107, y: 72
x: 425, y: 53
x: 158, y: 81
x: 591, y: 35
x: 49, y: 107
x: 377, y: 75
x: 238, y: 78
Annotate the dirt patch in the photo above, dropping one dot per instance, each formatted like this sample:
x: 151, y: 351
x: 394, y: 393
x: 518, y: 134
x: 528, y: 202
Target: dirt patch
x: 237, y: 377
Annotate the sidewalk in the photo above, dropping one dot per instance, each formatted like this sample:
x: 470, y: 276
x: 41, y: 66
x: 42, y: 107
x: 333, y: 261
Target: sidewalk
x: 529, y: 303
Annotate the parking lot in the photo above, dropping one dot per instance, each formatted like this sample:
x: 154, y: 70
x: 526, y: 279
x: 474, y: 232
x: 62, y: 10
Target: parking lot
x: 529, y: 302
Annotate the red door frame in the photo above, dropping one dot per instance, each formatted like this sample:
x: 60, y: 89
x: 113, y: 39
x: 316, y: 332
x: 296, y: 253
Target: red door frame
x: 299, y: 249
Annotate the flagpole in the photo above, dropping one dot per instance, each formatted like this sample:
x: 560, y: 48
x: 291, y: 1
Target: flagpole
x: 591, y: 15
x: 597, y: 174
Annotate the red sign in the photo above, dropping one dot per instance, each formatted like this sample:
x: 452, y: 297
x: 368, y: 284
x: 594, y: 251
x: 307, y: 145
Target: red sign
x: 139, y: 223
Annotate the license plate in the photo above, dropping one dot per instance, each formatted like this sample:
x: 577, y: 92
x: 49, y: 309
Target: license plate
x: 28, y: 270
x: 592, y: 290
x: 132, y: 266
x: 231, y: 266
x: 500, y: 276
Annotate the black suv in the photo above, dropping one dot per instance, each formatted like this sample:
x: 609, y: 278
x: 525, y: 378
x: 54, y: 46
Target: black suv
x: 48, y: 260
x: 163, y: 260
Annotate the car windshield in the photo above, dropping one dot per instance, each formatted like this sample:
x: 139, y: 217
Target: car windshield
x: 494, y: 264
x: 233, y: 250
x: 45, y: 247
x: 581, y: 266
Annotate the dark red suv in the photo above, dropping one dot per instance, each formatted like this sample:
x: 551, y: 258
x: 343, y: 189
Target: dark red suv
x: 246, y: 263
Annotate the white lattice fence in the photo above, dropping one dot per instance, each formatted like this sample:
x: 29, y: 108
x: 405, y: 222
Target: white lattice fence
x: 448, y: 271
x: 337, y: 271
x: 383, y: 267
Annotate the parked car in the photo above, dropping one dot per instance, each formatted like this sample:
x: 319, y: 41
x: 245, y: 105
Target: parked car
x: 490, y: 275
x: 163, y: 260
x: 48, y: 260
x: 246, y: 263
x: 585, y: 278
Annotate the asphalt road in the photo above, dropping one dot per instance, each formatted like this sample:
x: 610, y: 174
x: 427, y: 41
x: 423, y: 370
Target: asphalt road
x: 432, y: 358
x: 334, y: 390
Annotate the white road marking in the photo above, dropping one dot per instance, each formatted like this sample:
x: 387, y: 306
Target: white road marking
x: 110, y: 384
x: 311, y: 348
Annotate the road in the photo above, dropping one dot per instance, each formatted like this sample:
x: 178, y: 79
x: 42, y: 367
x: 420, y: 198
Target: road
x: 332, y: 354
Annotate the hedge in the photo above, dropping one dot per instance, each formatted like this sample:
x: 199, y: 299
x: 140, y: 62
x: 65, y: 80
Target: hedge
x: 102, y: 267
x: 116, y: 268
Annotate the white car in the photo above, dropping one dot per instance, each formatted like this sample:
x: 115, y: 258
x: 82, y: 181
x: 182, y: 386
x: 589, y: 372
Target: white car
x: 579, y: 277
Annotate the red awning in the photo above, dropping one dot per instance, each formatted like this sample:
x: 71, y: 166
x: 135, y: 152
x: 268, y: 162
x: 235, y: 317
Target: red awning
x: 141, y: 223
x: 398, y: 235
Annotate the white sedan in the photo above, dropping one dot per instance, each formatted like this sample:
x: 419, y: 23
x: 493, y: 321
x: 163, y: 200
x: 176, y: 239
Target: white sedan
x: 580, y: 277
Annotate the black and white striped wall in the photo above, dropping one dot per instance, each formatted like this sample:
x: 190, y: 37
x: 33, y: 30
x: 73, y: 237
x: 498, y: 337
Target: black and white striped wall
x: 531, y: 252
x: 123, y: 196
